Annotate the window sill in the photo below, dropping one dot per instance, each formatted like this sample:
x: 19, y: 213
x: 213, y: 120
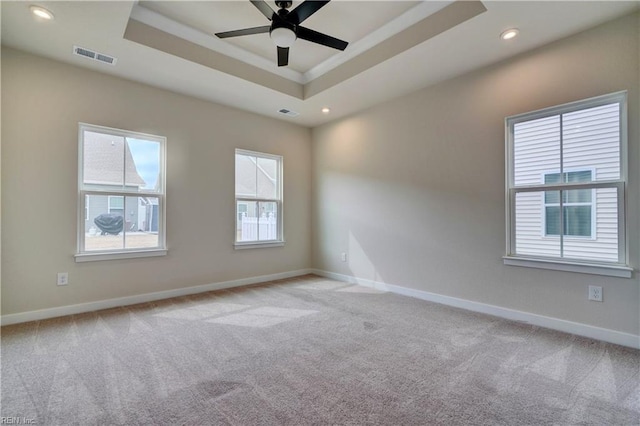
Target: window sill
x: 567, y: 266
x: 92, y: 257
x: 255, y: 244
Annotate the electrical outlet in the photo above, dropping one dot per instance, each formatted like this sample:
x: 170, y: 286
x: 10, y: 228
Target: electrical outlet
x: 63, y: 278
x: 343, y: 257
x: 595, y: 293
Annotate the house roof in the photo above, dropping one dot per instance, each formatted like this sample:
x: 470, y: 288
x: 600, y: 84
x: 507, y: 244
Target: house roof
x: 248, y: 184
x: 105, y: 157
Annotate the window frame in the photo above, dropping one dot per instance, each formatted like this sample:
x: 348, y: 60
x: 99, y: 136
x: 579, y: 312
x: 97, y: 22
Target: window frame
x: 617, y: 269
x: 279, y: 241
x: 82, y: 255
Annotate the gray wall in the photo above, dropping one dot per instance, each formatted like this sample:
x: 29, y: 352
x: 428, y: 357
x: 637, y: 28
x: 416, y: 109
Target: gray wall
x: 413, y: 190
x: 42, y: 103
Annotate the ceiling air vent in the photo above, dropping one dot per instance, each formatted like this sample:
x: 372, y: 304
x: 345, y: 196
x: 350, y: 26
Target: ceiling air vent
x: 105, y: 58
x: 100, y: 57
x: 288, y: 112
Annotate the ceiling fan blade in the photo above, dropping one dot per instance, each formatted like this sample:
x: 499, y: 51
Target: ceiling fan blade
x: 283, y: 56
x: 246, y: 31
x: 316, y: 37
x: 304, y: 10
x: 264, y: 8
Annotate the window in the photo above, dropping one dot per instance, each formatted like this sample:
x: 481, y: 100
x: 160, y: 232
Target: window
x: 121, y: 192
x: 566, y: 183
x: 258, y: 199
x: 116, y: 205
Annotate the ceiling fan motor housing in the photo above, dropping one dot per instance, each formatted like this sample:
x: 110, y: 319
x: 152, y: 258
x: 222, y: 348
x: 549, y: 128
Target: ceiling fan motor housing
x: 281, y: 23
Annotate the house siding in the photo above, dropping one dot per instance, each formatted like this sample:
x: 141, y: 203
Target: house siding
x: 590, y: 140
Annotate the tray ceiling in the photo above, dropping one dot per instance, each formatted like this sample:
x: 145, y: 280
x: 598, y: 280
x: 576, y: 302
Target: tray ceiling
x: 395, y: 47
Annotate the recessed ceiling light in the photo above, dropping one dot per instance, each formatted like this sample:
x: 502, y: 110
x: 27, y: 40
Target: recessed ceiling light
x: 326, y: 110
x: 41, y: 12
x: 509, y: 34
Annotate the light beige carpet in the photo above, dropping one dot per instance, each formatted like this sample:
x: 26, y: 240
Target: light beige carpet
x: 310, y: 351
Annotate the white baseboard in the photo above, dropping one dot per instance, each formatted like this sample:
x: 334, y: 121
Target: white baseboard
x: 611, y: 336
x: 607, y: 335
x: 141, y: 298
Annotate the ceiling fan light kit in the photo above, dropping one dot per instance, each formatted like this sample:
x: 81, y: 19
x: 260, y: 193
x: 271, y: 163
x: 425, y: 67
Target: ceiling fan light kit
x: 285, y: 27
x: 283, y: 37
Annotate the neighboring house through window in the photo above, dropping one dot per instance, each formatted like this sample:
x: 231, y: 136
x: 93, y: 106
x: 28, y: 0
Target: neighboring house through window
x: 121, y: 192
x: 566, y: 182
x: 115, y: 205
x: 258, y: 182
x: 578, y: 212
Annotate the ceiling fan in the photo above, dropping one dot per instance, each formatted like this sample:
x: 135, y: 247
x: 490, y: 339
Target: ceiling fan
x: 285, y: 27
